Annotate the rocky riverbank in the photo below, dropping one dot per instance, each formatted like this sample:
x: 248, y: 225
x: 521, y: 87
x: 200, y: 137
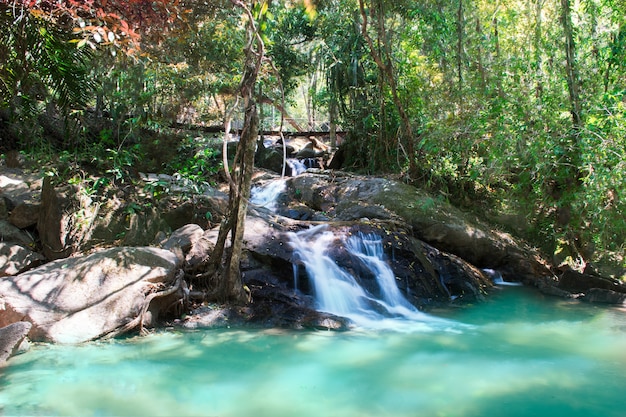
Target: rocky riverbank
x: 79, y: 265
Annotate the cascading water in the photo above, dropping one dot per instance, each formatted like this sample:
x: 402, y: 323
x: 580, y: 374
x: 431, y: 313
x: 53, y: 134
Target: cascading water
x: 337, y: 291
x: 369, y: 249
x: 497, y: 279
x: 297, y: 166
x: 266, y: 196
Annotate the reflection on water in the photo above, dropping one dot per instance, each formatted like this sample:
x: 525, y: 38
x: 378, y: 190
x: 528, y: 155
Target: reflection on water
x: 518, y: 354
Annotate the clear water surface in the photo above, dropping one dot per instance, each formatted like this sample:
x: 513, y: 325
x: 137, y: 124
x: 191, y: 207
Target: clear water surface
x: 518, y: 354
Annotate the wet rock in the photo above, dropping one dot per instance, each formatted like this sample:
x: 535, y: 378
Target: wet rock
x: 210, y: 317
x: 276, y: 305
x: 576, y: 282
x: 306, y: 152
x: 604, y: 296
x: 270, y: 158
x: 344, y: 196
x: 364, y: 211
x: 549, y: 286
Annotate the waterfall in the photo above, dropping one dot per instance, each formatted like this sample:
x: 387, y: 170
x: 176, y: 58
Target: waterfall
x: 497, y: 279
x: 338, y: 292
x: 266, y: 196
x: 369, y: 249
x: 297, y: 166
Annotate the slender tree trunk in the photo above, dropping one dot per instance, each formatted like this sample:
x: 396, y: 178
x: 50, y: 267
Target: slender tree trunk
x: 387, y: 71
x: 618, y: 40
x: 332, y: 116
x: 496, y: 37
x: 459, y: 45
x: 479, y: 59
x: 226, y: 269
x: 538, y: 49
x: 567, y: 182
x: 573, y: 81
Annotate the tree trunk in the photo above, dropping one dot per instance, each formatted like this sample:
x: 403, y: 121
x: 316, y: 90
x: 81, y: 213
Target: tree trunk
x: 479, y: 58
x: 231, y: 285
x: 225, y: 269
x: 537, y: 47
x: 567, y: 181
x: 387, y: 72
x: 459, y: 45
x: 573, y: 81
x: 332, y: 116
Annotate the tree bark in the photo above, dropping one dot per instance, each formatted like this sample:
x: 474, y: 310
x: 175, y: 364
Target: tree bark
x: 537, y: 47
x: 573, y: 81
x: 459, y: 45
x: 226, y: 269
x: 387, y: 72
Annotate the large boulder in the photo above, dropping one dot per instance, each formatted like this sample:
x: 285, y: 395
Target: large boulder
x: 427, y: 274
x: 19, y: 187
x: 592, y: 288
x: 25, y: 214
x: 10, y: 233
x: 347, y: 197
x: 83, y: 298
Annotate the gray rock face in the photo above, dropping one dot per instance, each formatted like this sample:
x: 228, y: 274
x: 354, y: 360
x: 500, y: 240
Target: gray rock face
x: 10, y: 233
x: 25, y: 215
x: 183, y: 238
x: 78, y: 299
x: 18, y: 187
x: 348, y: 197
x: 16, y: 258
x: 11, y: 338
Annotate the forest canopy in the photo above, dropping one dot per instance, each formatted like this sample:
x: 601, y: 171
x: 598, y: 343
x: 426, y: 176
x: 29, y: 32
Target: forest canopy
x: 515, y: 107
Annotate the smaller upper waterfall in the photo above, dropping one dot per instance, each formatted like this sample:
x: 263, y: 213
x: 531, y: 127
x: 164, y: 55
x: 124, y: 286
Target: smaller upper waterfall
x: 297, y: 166
x: 338, y: 292
x: 266, y: 196
x: 497, y: 279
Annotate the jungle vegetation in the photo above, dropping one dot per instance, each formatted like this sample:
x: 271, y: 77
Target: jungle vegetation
x: 509, y: 107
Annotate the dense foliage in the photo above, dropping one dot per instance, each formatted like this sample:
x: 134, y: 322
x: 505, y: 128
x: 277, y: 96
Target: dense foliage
x: 516, y: 107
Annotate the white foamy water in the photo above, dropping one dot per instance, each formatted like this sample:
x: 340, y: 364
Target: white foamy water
x: 338, y: 292
x: 265, y: 196
x: 297, y: 166
x: 497, y: 279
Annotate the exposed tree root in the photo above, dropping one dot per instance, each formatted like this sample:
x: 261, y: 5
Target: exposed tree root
x: 138, y: 322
